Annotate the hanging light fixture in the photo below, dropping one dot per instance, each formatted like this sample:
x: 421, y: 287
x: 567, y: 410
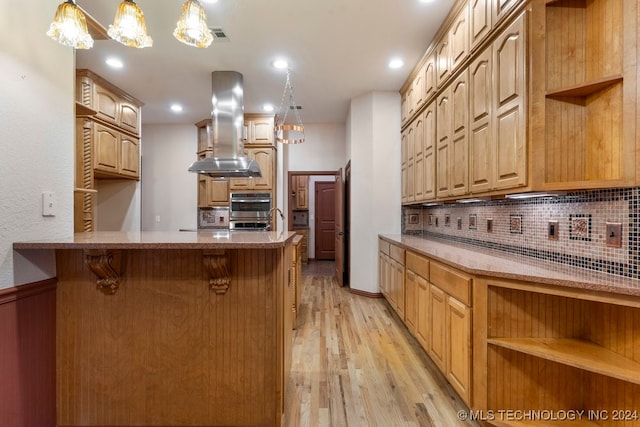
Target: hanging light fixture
x: 192, y: 26
x: 289, y: 133
x: 69, y: 27
x: 129, y: 27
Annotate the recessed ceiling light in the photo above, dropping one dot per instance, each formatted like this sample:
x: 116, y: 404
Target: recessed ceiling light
x: 268, y: 108
x: 176, y: 108
x: 396, y: 63
x: 281, y: 64
x: 114, y: 62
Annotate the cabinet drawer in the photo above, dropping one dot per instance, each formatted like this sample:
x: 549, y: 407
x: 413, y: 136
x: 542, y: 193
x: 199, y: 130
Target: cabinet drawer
x: 396, y: 253
x: 418, y: 264
x: 383, y: 246
x: 453, y: 282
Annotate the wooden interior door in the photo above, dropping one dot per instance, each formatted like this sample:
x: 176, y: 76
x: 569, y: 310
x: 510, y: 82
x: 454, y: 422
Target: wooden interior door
x: 339, y: 228
x: 325, y: 213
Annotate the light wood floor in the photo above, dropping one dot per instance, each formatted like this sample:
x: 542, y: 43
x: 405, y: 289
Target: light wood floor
x: 355, y: 364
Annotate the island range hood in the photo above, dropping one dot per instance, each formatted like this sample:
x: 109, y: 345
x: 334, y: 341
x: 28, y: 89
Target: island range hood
x: 228, y: 160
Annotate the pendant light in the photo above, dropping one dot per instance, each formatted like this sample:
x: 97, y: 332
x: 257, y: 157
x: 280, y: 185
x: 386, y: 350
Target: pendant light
x: 192, y: 28
x: 289, y: 133
x: 129, y: 27
x: 69, y: 27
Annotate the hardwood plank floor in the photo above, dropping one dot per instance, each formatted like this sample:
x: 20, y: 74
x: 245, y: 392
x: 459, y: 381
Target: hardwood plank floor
x: 355, y: 364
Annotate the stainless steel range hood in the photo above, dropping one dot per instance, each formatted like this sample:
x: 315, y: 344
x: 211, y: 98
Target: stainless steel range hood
x: 228, y: 160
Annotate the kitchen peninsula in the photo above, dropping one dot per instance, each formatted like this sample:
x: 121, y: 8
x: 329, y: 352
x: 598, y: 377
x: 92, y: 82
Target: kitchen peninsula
x: 172, y: 328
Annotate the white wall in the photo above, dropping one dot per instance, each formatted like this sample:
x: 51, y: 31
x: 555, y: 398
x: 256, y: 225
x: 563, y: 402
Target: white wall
x: 36, y: 137
x: 322, y: 150
x: 374, y: 150
x: 168, y: 190
x: 118, y: 205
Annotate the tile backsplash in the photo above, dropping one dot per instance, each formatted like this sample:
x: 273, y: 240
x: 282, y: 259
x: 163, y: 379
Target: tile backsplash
x: 568, y: 229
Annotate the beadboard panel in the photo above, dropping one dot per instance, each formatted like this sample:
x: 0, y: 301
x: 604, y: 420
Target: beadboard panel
x: 164, y: 349
x: 27, y: 354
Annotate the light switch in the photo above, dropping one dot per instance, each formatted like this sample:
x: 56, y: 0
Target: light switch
x: 48, y: 203
x: 614, y: 234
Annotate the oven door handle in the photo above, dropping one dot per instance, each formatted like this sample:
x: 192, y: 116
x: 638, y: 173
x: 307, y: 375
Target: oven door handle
x: 250, y: 200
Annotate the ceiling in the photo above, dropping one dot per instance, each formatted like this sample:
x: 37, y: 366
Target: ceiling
x: 337, y: 50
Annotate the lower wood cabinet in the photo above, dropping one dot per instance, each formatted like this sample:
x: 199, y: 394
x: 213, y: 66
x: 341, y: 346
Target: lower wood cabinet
x: 434, y: 301
x: 304, y: 244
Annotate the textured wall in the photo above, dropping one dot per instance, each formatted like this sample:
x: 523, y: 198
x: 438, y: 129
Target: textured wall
x: 36, y: 133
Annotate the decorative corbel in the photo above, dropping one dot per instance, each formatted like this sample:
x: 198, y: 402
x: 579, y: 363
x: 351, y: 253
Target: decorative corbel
x: 106, y: 265
x: 216, y: 262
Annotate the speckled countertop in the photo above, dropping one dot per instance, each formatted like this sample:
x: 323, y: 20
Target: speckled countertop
x: 204, y: 239
x: 485, y: 262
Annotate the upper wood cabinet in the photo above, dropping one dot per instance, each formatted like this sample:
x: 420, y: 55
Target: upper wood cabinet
x: 443, y: 59
x: 430, y: 84
x: 443, y: 143
x: 479, y: 21
x: 429, y: 143
x: 301, y: 190
x: 502, y: 7
x: 259, y: 129
x: 459, y: 38
x: 112, y: 105
x: 114, y: 154
x: 458, y: 163
x: 481, y: 146
x: 266, y: 159
x: 585, y: 91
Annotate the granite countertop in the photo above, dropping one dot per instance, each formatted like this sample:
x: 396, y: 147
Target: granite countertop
x: 203, y: 239
x: 486, y: 262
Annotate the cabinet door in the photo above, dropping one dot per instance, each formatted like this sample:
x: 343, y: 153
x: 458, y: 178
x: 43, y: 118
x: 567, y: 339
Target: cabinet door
x: 480, y: 137
x: 106, y: 148
x: 403, y: 166
x: 411, y: 108
x: 443, y: 58
x: 423, y: 324
x: 204, y: 137
x: 459, y: 38
x: 458, y: 332
x: 479, y: 21
x: 502, y: 7
x: 429, y: 143
x: 265, y: 159
x: 262, y: 131
x: 418, y: 159
x: 411, y: 301
x: 418, y: 89
x: 383, y: 274
x: 430, y: 76
x: 106, y: 103
x: 302, y: 192
x: 509, y: 59
x: 129, y: 156
x: 438, y: 340
x: 443, y: 147
x: 217, y: 192
x: 129, y: 116
x: 243, y: 184
x: 404, y: 109
x: 459, y: 141
x: 397, y: 284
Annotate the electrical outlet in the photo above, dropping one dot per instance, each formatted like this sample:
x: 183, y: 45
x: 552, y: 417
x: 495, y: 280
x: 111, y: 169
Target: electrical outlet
x: 552, y: 230
x: 490, y: 225
x: 614, y: 234
x: 459, y: 223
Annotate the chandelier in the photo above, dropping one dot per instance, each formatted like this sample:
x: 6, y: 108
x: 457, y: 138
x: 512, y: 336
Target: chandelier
x: 69, y: 27
x: 289, y: 133
x: 192, y: 26
x: 129, y: 27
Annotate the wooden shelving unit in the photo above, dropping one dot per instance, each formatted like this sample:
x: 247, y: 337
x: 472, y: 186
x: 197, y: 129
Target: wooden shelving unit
x: 549, y: 350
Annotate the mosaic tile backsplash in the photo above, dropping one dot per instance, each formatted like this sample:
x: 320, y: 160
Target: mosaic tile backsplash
x: 568, y: 229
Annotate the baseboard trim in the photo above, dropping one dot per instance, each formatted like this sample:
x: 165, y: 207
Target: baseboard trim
x: 366, y: 294
x: 28, y: 290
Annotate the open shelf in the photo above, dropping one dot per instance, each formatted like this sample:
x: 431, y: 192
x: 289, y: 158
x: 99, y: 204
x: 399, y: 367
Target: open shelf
x: 577, y: 353
x: 587, y: 88
x: 82, y: 110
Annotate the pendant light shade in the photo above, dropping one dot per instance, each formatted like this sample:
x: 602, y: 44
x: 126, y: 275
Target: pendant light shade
x: 129, y: 27
x: 289, y: 133
x: 69, y: 27
x: 192, y: 26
